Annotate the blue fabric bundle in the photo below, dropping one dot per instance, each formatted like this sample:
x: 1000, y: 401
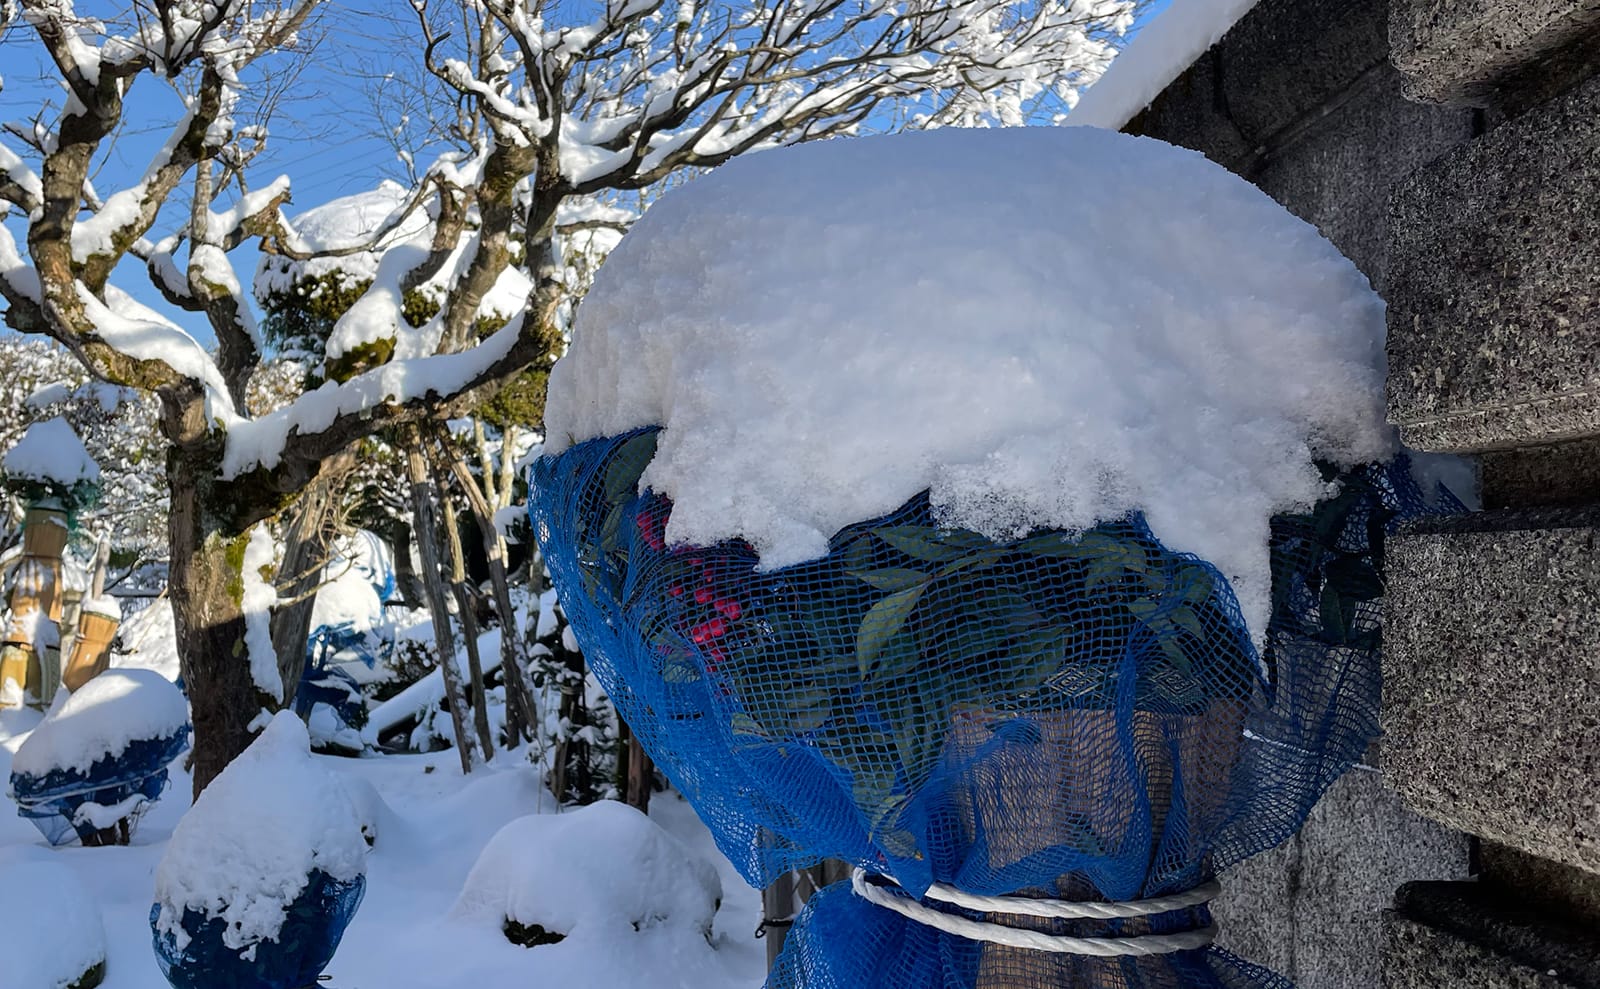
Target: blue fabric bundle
x: 56, y: 801
x: 321, y: 683
x: 1069, y: 716
x: 312, y: 927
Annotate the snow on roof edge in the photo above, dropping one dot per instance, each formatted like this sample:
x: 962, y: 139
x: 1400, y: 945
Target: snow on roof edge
x: 1161, y: 52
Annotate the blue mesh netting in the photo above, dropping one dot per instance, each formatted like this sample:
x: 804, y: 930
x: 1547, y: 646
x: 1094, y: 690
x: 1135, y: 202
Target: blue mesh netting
x: 55, y: 801
x: 1075, y: 716
x: 323, y: 683
x: 312, y: 927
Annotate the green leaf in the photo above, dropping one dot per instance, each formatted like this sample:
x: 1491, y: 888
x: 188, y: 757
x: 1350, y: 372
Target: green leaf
x: 676, y: 672
x: 1052, y: 544
x: 858, y: 554
x: 891, y: 578
x: 920, y: 542
x: 827, y: 624
x: 1176, y: 656
x: 1037, y: 656
x: 622, y: 475
x: 611, y: 530
x: 978, y: 560
x: 809, y: 707
x: 1193, y: 583
x: 1331, y: 611
x: 882, y: 622
x: 897, y: 657
x: 743, y: 724
x: 1185, y: 618
x: 1330, y: 516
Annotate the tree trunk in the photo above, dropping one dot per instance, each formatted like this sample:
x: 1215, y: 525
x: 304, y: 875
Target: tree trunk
x: 522, y: 719
x: 427, y: 547
x: 782, y: 902
x: 405, y: 575
x: 306, y: 548
x: 469, y: 624
x: 207, y: 611
x: 635, y: 770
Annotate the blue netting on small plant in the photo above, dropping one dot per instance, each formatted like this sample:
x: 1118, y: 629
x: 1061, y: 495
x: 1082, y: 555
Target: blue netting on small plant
x: 1076, y: 716
x: 65, y: 803
x: 321, y: 682
x: 312, y: 926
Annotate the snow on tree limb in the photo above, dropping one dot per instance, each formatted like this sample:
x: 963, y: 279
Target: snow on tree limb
x: 18, y: 183
x: 322, y: 420
x: 563, y: 115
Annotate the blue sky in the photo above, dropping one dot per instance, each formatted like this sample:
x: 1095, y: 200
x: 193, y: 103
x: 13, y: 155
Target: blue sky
x: 327, y: 141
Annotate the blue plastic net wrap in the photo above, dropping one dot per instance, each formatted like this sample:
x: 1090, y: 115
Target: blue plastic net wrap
x: 64, y: 804
x: 323, y: 682
x: 313, y: 924
x: 1075, y: 716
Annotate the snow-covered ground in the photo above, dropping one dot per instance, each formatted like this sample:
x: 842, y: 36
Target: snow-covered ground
x: 432, y: 825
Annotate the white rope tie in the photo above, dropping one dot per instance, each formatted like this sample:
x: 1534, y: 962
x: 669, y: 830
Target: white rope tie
x: 1099, y: 947
x: 1081, y: 910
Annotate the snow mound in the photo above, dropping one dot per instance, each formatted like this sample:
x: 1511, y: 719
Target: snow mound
x: 244, y: 851
x: 150, y: 638
x: 594, y: 872
x: 1043, y: 327
x: 51, y: 451
x: 101, y: 719
x: 371, y: 810
x: 51, y: 933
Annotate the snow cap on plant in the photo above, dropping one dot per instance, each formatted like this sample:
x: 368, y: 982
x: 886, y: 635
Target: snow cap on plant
x: 1042, y: 328
x: 253, y: 839
x: 50, y: 462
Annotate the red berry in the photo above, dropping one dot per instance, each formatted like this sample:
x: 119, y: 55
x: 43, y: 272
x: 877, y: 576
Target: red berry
x: 703, y: 595
x: 650, y: 529
x: 676, y: 590
x: 706, y: 631
x: 729, y: 608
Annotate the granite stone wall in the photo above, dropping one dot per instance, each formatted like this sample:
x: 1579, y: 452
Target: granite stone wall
x: 1451, y: 148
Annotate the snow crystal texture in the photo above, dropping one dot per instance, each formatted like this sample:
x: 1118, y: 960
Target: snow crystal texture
x: 1043, y: 328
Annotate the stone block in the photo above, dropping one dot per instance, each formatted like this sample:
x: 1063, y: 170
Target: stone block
x: 1255, y: 914
x: 1338, y: 174
x: 1288, y: 61
x: 1478, y: 52
x: 1479, y: 937
x: 1416, y: 956
x: 1303, y: 907
x: 1494, y: 286
x: 1550, y: 474
x: 1491, y: 712
x: 1191, y: 114
x: 1557, y: 890
x: 1358, y: 842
